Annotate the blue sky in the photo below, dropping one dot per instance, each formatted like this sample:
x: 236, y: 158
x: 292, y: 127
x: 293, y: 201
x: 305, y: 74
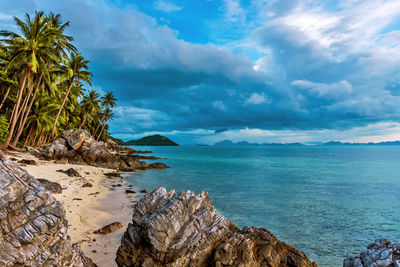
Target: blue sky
x: 261, y: 71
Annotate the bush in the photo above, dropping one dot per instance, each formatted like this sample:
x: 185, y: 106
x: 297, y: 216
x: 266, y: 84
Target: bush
x: 4, y: 128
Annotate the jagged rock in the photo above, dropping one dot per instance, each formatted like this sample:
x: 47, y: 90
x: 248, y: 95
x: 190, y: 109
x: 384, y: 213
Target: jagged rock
x: 71, y: 172
x: 381, y: 253
x: 158, y: 165
x: 109, y: 228
x: 75, y: 138
x: 32, y: 223
x: 143, y: 191
x: 170, y: 229
x: 56, y: 149
x: 53, y: 187
x: 130, y: 191
x: 79, y: 147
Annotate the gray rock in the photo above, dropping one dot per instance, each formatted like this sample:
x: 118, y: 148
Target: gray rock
x: 381, y: 253
x: 170, y: 229
x: 32, y: 223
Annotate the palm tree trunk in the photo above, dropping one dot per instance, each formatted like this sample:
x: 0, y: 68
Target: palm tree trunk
x: 28, y: 136
x: 61, y: 108
x: 14, y: 117
x: 102, y: 129
x: 98, y: 125
x: 83, y: 121
x: 23, y: 120
x: 5, y: 97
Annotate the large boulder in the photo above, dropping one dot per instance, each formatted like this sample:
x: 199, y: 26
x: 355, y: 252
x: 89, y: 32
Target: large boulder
x: 99, y: 156
x: 381, y: 253
x: 56, y: 149
x: 32, y: 223
x: 170, y: 229
x: 75, y: 138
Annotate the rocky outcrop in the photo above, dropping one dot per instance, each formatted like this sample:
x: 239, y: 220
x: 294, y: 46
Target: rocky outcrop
x: 170, y: 229
x: 32, y: 223
x: 381, y: 253
x: 79, y: 147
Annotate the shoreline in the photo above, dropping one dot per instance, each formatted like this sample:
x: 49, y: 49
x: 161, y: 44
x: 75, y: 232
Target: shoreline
x: 89, y: 208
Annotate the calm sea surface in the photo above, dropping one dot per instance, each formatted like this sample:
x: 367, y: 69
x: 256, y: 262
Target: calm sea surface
x: 327, y: 201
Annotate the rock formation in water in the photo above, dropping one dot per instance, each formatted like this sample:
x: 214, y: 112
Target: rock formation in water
x: 381, y: 253
x: 79, y: 147
x: 33, y: 224
x: 170, y: 229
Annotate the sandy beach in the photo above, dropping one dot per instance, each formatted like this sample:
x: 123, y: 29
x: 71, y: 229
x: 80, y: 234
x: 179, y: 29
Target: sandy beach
x: 89, y: 208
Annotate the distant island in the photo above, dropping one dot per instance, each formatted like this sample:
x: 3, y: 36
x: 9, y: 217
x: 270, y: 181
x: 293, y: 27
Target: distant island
x: 330, y: 143
x: 152, y: 140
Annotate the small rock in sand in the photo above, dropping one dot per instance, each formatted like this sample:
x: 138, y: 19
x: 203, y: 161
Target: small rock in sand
x: 129, y: 191
x: 144, y: 191
x: 87, y: 185
x: 77, y: 198
x: 112, y: 227
x: 71, y: 172
x: 53, y: 187
x: 113, y: 175
x: 27, y: 162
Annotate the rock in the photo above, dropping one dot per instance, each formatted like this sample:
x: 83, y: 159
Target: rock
x: 77, y: 198
x: 75, y: 138
x: 33, y: 151
x: 381, y: 253
x: 143, y: 191
x: 170, y: 229
x: 27, y: 161
x: 87, y: 185
x: 56, y: 149
x: 53, y: 187
x: 79, y: 147
x: 113, y: 174
x: 130, y: 191
x: 109, y: 228
x: 158, y: 165
x: 33, y: 224
x: 71, y: 172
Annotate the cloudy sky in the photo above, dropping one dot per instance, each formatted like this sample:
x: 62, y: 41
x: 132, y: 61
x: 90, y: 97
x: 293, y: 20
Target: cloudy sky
x: 202, y: 71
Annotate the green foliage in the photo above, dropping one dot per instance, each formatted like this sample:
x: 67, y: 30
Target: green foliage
x: 41, y: 54
x: 3, y: 128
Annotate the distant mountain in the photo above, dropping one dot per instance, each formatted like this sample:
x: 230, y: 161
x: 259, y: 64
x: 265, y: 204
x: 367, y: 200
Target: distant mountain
x: 224, y: 143
x: 386, y: 143
x: 118, y: 141
x: 152, y: 140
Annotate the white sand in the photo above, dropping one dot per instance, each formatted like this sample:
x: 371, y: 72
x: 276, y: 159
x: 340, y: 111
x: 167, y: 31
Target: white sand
x: 89, y: 208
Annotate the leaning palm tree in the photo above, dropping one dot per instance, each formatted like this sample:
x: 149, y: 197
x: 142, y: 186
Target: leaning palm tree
x: 107, y: 115
x: 31, y: 52
x: 90, y: 104
x: 75, y: 70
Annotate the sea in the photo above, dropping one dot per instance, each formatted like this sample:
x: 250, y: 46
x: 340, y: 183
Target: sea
x: 328, y: 201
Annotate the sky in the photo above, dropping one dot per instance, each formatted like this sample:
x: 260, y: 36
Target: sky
x: 203, y: 71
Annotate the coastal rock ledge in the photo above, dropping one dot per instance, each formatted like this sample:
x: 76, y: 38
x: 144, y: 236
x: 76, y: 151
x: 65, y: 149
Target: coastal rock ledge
x: 185, y: 229
x: 32, y: 223
x: 381, y: 253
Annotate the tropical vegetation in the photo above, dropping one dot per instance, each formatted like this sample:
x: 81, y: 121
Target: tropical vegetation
x: 45, y: 85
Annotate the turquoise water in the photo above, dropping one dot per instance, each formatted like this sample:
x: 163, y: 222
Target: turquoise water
x: 329, y: 202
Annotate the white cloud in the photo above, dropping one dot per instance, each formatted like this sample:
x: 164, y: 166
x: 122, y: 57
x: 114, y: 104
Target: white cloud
x: 337, y: 90
x: 257, y: 99
x: 219, y: 105
x: 166, y: 6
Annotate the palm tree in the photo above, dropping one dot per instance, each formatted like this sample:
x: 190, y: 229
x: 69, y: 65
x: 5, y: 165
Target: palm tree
x: 107, y: 115
x: 108, y: 100
x: 30, y: 52
x: 75, y: 70
x: 90, y: 103
x: 58, y: 45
